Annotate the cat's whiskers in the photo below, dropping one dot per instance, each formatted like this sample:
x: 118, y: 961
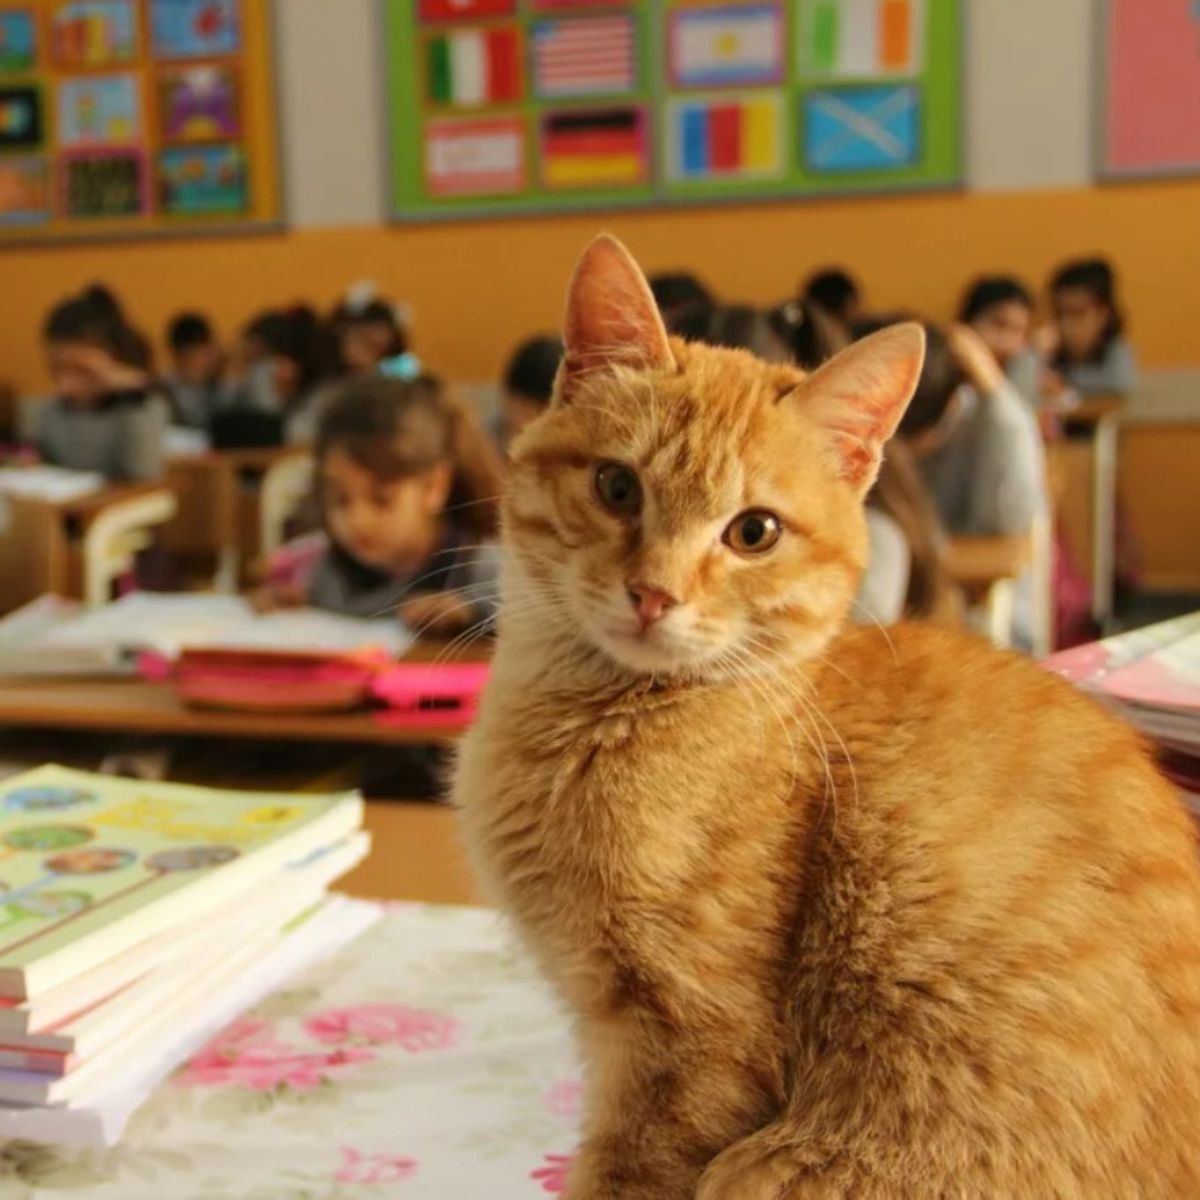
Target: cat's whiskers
x: 887, y: 637
x: 749, y: 676
x: 810, y: 711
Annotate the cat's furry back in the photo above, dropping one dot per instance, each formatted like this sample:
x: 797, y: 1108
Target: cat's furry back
x: 840, y: 914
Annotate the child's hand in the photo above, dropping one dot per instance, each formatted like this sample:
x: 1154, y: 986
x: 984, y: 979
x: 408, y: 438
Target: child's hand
x: 436, y: 613
x: 974, y: 358
x: 1046, y: 340
x: 111, y: 375
x: 272, y: 597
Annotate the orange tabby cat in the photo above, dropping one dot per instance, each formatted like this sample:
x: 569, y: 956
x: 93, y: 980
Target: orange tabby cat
x: 838, y: 913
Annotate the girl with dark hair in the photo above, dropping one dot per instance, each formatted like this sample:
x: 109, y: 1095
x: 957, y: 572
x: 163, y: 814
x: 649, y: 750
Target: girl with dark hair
x: 409, y: 488
x: 1086, y: 348
x: 366, y: 332
x: 285, y: 358
x: 106, y: 414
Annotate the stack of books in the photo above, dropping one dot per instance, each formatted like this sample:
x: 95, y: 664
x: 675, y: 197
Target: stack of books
x: 136, y: 920
x: 1151, y: 677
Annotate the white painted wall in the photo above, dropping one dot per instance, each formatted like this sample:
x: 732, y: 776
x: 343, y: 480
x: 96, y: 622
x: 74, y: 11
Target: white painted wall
x: 1029, y: 95
x: 330, y: 73
x: 1029, y: 70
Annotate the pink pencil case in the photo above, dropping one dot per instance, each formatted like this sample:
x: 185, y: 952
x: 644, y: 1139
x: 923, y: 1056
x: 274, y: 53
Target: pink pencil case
x: 416, y: 694
x: 431, y: 693
x: 266, y: 681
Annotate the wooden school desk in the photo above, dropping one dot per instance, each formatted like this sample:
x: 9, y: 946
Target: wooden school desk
x: 41, y: 542
x: 218, y: 508
x: 135, y: 706
x: 1087, y: 486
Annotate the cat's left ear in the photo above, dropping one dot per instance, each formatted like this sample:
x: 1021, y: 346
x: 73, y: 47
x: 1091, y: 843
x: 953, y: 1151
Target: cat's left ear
x: 859, y: 396
x: 611, y: 319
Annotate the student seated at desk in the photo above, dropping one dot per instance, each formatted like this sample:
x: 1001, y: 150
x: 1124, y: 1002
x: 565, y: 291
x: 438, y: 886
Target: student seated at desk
x: 106, y: 415
x: 1086, y: 347
x: 366, y: 332
x: 284, y: 362
x: 999, y: 309
x: 977, y: 445
x: 196, y: 381
x: 408, y: 487
x: 529, y: 383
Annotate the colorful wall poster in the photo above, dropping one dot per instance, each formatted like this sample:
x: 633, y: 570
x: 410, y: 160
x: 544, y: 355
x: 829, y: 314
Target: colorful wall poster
x: 465, y: 10
x: 475, y: 157
x: 21, y: 125
x: 471, y: 68
x: 1150, y: 123
x: 557, y: 105
x: 202, y: 180
x: 595, y: 148
x: 24, y: 189
x: 584, y: 56
x: 94, y: 33
x: 99, y: 110
x: 200, y: 104
x: 855, y: 39
x: 726, y: 46
x: 727, y: 137
x: 195, y: 28
x: 103, y: 184
x: 862, y: 129
x: 18, y: 40
x: 132, y: 117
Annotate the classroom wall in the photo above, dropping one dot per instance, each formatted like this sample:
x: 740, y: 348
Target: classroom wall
x: 475, y: 288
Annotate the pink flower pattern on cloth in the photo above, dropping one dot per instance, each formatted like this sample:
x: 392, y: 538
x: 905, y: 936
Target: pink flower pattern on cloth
x: 358, y: 1167
x: 247, y: 1054
x: 553, y: 1176
x: 413, y: 1029
x: 564, y: 1098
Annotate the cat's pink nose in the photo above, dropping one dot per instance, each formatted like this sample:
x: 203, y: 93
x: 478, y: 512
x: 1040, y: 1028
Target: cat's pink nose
x: 650, y: 603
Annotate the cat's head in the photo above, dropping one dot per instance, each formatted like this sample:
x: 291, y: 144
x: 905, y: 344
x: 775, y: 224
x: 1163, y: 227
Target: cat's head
x: 691, y: 509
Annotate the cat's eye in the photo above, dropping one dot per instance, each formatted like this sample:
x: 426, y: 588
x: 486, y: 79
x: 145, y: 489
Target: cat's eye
x: 754, y: 532
x: 619, y: 489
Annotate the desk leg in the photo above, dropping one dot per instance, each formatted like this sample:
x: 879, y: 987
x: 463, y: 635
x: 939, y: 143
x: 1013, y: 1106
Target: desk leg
x: 227, y: 576
x: 1104, y: 520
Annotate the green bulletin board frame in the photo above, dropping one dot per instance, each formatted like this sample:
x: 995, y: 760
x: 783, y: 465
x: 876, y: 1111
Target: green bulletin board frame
x: 932, y: 99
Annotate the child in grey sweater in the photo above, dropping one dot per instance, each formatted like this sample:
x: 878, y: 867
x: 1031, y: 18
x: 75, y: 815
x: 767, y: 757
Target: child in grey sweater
x: 1086, y: 346
x: 105, y: 415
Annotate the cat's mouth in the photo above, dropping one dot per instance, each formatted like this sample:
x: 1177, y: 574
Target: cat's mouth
x: 656, y: 649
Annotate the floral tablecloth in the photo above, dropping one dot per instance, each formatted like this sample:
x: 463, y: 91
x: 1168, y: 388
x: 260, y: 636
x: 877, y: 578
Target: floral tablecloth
x: 425, y: 1062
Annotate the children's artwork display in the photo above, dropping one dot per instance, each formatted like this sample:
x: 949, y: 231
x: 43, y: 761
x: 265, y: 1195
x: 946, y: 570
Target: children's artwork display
x: 1150, y: 124
x: 125, y: 117
x: 541, y: 105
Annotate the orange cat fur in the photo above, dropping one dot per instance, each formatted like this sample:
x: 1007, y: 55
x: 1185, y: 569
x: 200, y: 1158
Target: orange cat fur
x: 838, y: 912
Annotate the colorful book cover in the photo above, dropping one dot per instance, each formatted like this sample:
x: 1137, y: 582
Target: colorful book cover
x: 90, y: 865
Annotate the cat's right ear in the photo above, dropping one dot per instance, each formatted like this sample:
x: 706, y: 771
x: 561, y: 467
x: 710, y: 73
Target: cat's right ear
x: 859, y: 396
x: 611, y: 319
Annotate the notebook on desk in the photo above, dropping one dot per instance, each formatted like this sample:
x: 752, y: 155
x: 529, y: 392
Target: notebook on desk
x: 63, y: 636
x: 55, y: 485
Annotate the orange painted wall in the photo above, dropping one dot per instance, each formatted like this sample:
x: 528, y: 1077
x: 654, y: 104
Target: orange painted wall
x: 477, y: 288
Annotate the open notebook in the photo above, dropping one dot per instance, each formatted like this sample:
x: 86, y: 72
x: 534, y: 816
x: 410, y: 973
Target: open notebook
x: 56, y: 485
x: 1151, y: 676
x: 54, y: 637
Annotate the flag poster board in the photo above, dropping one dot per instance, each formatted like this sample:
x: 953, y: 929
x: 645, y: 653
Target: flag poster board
x: 131, y: 117
x: 551, y: 105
